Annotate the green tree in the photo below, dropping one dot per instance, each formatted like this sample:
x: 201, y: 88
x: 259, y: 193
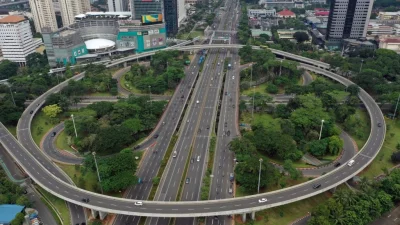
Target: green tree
x: 353, y: 89
x: 301, y: 36
x: 52, y: 110
x: 8, y: 69
x: 293, y: 172
x: 19, y: 219
x: 334, y: 145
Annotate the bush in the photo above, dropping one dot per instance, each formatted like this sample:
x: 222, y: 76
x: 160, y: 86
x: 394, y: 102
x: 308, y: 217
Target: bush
x: 114, y: 91
x: 395, y: 157
x: 272, y: 89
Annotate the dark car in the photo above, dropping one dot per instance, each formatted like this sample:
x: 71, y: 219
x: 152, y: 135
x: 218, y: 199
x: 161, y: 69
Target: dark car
x: 379, y: 124
x: 31, y: 112
x: 136, y: 147
x: 316, y: 186
x: 337, y: 164
x: 85, y: 200
x: 155, y: 136
x: 83, y: 223
x: 53, y: 134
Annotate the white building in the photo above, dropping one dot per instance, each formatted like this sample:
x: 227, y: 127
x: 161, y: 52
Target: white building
x: 391, y: 43
x: 261, y: 13
x: 16, y: 40
x: 118, y: 5
x: 379, y: 29
x: 70, y: 8
x: 43, y: 14
x: 181, y: 11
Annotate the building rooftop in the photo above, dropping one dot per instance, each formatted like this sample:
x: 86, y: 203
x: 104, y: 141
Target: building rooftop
x: 286, y: 12
x: 99, y: 43
x: 8, y: 212
x: 390, y: 40
x: 12, y: 19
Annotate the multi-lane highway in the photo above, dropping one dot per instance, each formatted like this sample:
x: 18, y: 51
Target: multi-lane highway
x: 156, y: 152
x: 32, y: 162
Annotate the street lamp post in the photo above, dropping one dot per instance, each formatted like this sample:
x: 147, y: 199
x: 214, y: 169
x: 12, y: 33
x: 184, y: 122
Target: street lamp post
x: 73, y: 121
x: 97, y: 169
x: 320, y: 132
x: 151, y: 103
x: 12, y: 95
x: 362, y: 60
x: 259, y: 176
x: 252, y: 108
x: 395, y: 109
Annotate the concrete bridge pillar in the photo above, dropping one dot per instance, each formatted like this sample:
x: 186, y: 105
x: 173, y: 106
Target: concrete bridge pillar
x: 244, y: 217
x: 333, y: 190
x: 253, y: 215
x: 103, y: 215
x: 94, y: 213
x: 125, y: 64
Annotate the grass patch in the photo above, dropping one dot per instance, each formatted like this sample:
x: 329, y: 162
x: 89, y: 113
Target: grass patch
x: 297, y: 164
x: 383, y: 160
x: 205, y: 189
x: 12, y: 129
x: 164, y: 162
x: 263, y: 118
x: 83, y: 178
x: 286, y: 214
x: 259, y: 88
x: 363, y: 116
x: 62, y: 142
x: 40, y: 126
x: 128, y: 86
x: 59, y: 205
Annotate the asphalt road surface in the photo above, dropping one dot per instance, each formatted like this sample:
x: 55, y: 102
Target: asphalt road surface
x: 156, y: 151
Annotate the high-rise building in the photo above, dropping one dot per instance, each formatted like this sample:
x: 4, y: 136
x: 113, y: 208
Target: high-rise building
x: 43, y: 14
x: 145, y: 7
x: 175, y: 13
x: 71, y: 8
x: 16, y: 40
x: 118, y: 5
x: 348, y: 19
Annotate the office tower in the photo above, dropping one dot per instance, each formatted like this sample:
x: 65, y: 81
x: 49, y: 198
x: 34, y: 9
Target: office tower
x: 16, y: 40
x: 175, y: 13
x: 71, y: 8
x: 348, y: 19
x: 43, y: 14
x: 145, y: 7
x: 118, y: 5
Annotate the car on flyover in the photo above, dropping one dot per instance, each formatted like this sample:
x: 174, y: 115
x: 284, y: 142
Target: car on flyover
x: 261, y: 200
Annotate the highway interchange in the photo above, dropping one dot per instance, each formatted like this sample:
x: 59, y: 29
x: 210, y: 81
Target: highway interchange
x: 37, y: 165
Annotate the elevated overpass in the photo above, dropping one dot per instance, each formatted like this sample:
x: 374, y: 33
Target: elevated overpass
x: 40, y: 172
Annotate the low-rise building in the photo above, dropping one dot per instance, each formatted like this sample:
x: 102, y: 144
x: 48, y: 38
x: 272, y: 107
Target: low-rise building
x: 286, y: 14
x: 257, y: 32
x: 261, y: 13
x: 389, y: 15
x: 350, y: 45
x: 391, y: 43
x: 288, y: 34
x: 280, y: 4
x: 16, y: 39
x: 379, y: 29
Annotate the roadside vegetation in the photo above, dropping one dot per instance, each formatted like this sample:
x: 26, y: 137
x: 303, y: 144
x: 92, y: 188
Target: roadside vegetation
x: 164, y: 73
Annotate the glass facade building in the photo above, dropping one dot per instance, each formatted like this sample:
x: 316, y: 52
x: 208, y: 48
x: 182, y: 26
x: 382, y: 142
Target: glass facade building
x: 145, y: 7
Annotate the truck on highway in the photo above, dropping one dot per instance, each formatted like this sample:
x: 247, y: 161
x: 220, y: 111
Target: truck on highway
x: 231, y: 177
x: 201, y: 60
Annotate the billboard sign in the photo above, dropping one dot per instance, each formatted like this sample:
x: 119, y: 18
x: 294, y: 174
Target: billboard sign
x: 153, y: 18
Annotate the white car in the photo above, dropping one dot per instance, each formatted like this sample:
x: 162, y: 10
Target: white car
x: 233, y: 77
x: 262, y: 200
x: 138, y: 203
x: 198, y: 158
x: 197, y: 101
